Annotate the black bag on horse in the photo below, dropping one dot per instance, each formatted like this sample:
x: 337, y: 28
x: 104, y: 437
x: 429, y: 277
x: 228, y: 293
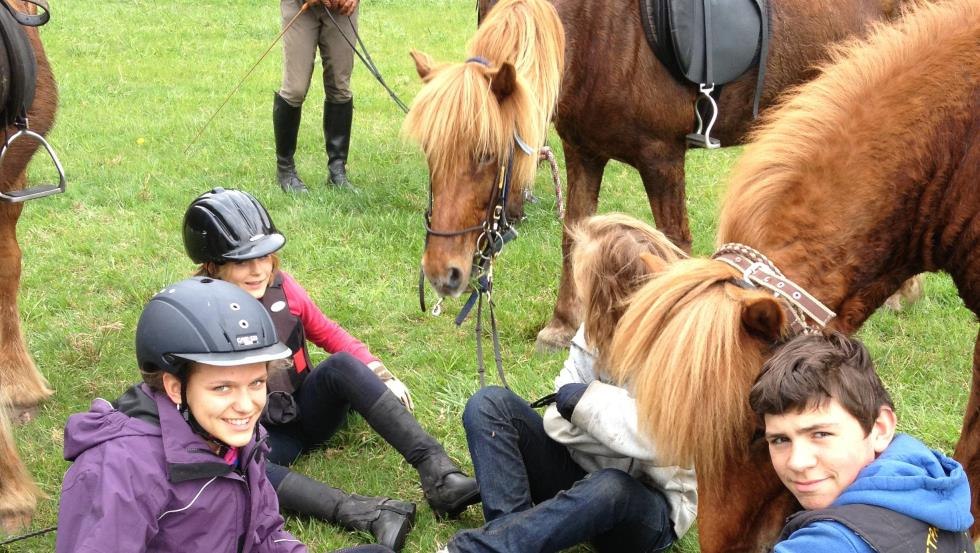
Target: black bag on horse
x: 711, y: 42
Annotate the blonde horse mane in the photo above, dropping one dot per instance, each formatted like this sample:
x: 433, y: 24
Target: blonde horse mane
x: 682, y: 349
x: 826, y: 131
x: 457, y: 112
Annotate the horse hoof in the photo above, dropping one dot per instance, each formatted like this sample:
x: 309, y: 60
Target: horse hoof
x: 553, y: 338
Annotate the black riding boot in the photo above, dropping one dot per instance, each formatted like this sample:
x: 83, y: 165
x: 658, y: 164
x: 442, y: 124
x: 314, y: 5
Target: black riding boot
x: 285, y: 125
x: 337, y: 122
x: 388, y: 520
x: 446, y: 488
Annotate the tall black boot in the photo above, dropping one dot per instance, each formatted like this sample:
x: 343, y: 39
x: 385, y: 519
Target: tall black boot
x: 388, y: 520
x: 446, y: 488
x: 337, y: 122
x: 285, y: 125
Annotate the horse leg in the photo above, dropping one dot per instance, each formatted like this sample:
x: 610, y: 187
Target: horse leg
x: 743, y: 510
x: 584, y: 177
x: 21, y: 385
x: 18, y: 494
x: 663, y: 180
x: 968, y: 449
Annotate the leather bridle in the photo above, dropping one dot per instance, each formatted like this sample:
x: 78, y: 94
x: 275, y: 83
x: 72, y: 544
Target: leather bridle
x: 759, y: 272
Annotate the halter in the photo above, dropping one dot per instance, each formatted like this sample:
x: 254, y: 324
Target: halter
x: 759, y: 272
x: 497, y: 230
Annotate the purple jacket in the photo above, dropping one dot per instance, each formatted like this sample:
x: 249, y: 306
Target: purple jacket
x: 143, y: 481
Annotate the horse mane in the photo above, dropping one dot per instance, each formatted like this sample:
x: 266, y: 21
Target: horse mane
x: 529, y: 35
x: 682, y: 350
x: 864, y: 116
x: 456, y: 110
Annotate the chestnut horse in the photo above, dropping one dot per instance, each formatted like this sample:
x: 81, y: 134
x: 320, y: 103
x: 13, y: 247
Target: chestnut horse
x: 476, y: 118
x: 21, y: 385
x: 860, y: 179
x: 619, y: 102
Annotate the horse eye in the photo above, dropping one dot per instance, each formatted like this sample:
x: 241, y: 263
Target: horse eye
x: 485, y: 159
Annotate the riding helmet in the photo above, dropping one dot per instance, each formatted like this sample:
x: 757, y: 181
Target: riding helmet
x: 229, y: 225
x: 208, y: 321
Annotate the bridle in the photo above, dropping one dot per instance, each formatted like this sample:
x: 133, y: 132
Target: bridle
x: 759, y: 272
x: 496, y: 230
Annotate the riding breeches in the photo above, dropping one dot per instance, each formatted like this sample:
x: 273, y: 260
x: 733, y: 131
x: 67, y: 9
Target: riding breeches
x: 317, y: 28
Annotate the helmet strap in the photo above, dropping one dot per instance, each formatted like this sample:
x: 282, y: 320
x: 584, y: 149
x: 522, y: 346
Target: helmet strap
x: 185, y: 412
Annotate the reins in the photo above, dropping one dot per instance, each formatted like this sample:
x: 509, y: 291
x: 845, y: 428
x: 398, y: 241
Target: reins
x: 497, y: 232
x: 759, y: 272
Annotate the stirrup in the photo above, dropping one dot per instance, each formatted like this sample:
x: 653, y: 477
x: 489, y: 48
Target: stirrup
x: 41, y: 190
x: 699, y: 139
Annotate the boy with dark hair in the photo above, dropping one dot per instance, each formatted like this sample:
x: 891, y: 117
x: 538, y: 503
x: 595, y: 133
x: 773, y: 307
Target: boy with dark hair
x: 830, y: 425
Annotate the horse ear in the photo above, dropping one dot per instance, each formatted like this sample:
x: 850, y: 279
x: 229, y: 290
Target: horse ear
x: 503, y: 81
x: 423, y: 64
x: 763, y: 318
x: 654, y: 264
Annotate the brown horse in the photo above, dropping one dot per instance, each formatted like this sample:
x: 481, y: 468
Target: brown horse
x: 21, y: 385
x: 619, y: 102
x: 473, y: 118
x: 864, y: 177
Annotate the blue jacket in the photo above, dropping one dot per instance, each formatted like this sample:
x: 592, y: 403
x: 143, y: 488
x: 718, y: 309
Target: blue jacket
x: 907, y: 478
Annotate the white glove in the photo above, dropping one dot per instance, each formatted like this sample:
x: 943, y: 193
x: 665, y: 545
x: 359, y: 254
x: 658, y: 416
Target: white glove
x: 398, y: 388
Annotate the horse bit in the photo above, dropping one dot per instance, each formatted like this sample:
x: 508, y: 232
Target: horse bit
x: 497, y: 230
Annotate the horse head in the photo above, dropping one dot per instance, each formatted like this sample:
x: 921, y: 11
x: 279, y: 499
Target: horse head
x: 473, y: 121
x: 690, y: 346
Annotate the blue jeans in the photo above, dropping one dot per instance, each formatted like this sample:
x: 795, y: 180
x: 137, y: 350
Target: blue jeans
x: 537, y: 499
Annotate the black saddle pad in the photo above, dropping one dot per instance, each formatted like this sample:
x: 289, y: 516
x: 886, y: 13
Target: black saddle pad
x: 713, y: 45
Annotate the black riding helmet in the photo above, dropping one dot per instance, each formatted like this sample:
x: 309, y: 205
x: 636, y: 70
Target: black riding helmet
x: 229, y: 225
x: 208, y: 321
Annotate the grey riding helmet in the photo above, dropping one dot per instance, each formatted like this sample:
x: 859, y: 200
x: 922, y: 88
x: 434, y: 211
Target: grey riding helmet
x: 229, y: 225
x: 204, y: 320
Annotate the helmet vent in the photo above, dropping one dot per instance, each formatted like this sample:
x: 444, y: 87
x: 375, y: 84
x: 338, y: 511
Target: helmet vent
x: 235, y: 307
x: 206, y: 280
x: 243, y: 323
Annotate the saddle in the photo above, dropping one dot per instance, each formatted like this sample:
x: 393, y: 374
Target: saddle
x: 708, y: 43
x: 18, y: 80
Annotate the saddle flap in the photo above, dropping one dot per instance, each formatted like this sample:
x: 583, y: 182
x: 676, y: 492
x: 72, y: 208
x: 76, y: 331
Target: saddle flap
x: 20, y: 74
x: 715, y: 41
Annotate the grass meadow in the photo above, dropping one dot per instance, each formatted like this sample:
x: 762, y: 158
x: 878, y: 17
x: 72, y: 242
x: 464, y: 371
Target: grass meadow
x: 138, y: 79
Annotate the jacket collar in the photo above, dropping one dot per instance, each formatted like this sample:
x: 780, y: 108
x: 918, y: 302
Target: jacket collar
x: 186, y: 454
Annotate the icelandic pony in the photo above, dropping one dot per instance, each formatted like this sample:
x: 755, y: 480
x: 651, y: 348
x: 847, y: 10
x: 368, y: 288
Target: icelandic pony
x: 860, y: 179
x: 617, y: 101
x: 21, y: 385
x: 468, y: 118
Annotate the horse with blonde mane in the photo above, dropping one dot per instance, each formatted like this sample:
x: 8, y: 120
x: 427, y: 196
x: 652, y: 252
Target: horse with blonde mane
x: 477, y: 119
x: 22, y: 387
x: 857, y: 181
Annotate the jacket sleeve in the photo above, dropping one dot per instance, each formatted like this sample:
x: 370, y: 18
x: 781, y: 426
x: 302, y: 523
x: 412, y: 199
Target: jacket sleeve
x: 320, y: 329
x: 603, y: 423
x: 823, y: 536
x: 108, y: 505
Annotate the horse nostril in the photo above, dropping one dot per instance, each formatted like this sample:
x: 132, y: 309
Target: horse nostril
x: 455, y: 277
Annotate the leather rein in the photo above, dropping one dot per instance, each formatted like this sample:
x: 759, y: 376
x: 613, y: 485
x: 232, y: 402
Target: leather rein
x: 496, y: 230
x: 759, y: 272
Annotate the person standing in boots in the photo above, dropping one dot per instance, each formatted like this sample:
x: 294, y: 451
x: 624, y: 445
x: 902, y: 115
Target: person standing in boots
x: 327, y: 25
x: 229, y: 233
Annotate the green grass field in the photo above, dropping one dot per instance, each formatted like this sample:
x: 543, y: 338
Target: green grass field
x: 138, y: 79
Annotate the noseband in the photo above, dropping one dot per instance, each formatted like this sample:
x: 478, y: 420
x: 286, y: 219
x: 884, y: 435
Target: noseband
x: 759, y: 272
x: 496, y: 231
